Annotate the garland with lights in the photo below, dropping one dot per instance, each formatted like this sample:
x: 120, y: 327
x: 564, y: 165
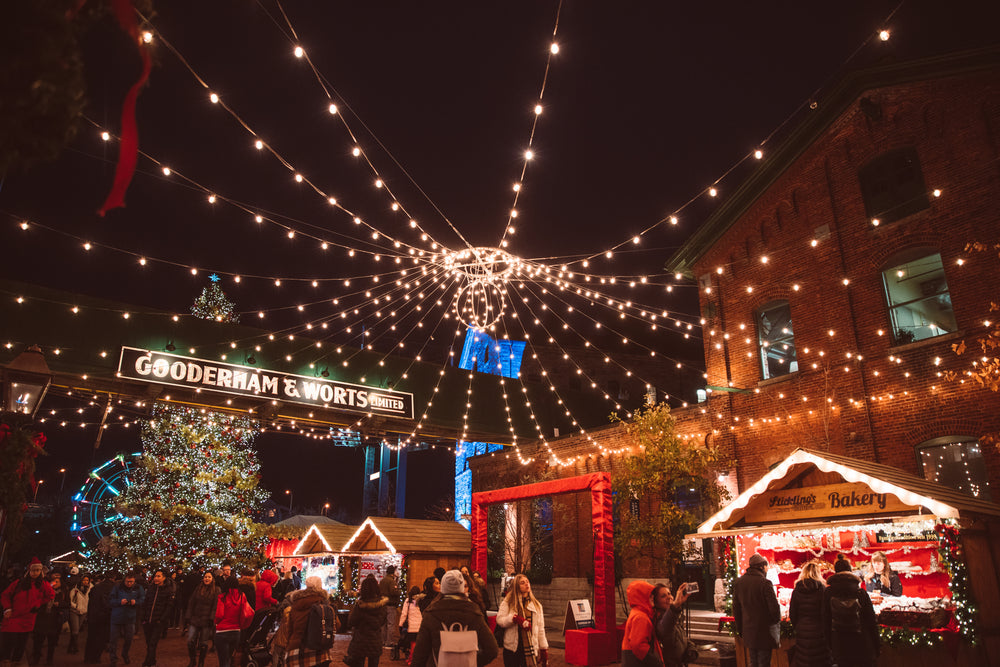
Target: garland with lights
x: 950, y: 553
x: 214, y: 305
x: 186, y: 505
x: 20, y: 445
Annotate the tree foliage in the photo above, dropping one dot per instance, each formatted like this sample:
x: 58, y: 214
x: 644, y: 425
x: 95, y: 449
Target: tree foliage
x: 191, y: 499
x: 20, y: 444
x: 664, y: 489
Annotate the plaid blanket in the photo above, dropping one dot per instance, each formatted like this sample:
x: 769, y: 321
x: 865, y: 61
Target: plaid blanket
x: 303, y: 657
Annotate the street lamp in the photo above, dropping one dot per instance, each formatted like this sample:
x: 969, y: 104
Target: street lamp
x: 25, y: 381
x: 37, y: 484
x: 290, y: 496
x: 326, y: 508
x: 62, y: 484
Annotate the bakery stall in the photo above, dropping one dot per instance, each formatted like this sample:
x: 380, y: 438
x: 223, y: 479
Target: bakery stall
x: 942, y: 545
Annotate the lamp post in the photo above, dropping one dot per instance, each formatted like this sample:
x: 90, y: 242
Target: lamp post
x: 24, y: 382
x: 38, y: 484
x: 326, y: 508
x: 288, y: 493
x: 62, y: 483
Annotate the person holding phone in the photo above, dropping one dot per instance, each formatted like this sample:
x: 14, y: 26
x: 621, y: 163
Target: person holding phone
x: 677, y: 648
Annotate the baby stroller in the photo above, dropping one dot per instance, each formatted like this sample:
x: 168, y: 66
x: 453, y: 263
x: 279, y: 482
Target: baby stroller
x: 255, y: 646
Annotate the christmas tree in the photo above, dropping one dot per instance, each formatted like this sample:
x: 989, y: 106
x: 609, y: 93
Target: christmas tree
x: 189, y: 501
x: 214, y: 305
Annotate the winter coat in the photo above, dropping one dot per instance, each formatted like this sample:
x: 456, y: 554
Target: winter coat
x: 851, y: 648
x: 265, y: 588
x: 670, y: 633
x: 298, y: 617
x: 283, y: 588
x: 159, y: 603
x: 366, y: 620
x: 806, y: 614
x: 442, y: 613
x: 127, y: 613
x: 249, y: 588
x: 505, y: 619
x: 895, y: 587
x: 410, y: 616
x: 53, y: 614
x: 389, y: 587
x: 79, y: 599
x: 24, y: 599
x: 755, y: 608
x: 202, y: 605
x: 229, y: 610
x: 99, y: 604
x: 639, y: 645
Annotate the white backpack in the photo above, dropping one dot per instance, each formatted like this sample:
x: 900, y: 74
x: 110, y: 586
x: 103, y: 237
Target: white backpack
x: 459, y: 646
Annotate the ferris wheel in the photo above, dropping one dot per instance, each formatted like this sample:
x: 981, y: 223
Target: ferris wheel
x: 94, y: 512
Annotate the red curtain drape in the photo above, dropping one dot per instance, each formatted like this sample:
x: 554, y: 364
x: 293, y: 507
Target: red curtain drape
x: 599, y: 485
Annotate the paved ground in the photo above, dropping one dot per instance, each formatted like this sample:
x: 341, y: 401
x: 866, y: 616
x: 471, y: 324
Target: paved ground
x: 172, y: 652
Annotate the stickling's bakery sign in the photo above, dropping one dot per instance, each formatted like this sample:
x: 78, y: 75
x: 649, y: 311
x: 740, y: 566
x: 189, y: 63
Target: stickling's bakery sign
x: 192, y: 373
x: 829, y: 500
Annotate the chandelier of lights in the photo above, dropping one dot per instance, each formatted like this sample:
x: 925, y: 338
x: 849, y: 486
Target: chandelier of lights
x: 481, y: 274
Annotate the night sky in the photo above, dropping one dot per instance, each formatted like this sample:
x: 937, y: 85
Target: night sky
x: 646, y: 105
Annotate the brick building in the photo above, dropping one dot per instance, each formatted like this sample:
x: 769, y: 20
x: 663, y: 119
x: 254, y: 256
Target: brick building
x: 833, y: 283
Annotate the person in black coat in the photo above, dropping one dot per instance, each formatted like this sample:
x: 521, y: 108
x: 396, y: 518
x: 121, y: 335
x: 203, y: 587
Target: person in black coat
x: 99, y: 619
x: 849, y: 621
x: 157, y: 610
x: 366, y: 621
x: 49, y: 622
x: 755, y: 610
x: 806, y: 614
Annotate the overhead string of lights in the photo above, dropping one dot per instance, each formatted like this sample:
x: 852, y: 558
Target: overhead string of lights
x: 379, y: 182
x: 757, y: 154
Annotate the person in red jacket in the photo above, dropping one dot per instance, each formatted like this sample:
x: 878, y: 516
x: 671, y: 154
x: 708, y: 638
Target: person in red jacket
x: 639, y: 645
x: 232, y: 615
x: 21, y: 602
x: 265, y: 590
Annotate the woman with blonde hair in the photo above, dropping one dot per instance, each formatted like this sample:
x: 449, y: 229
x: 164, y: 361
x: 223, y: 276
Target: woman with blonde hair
x: 524, y: 642
x: 881, y: 578
x: 806, y: 614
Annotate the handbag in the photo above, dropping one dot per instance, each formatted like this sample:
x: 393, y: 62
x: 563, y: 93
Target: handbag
x: 246, y: 614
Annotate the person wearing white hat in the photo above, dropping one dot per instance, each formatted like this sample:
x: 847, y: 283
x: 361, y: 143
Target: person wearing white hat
x: 452, y: 609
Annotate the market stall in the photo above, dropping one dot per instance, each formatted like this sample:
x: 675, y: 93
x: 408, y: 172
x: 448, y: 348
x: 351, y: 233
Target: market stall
x: 941, y: 543
x: 280, y: 549
x: 319, y: 552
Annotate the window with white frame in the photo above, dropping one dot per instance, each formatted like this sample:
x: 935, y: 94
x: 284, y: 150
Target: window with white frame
x: 917, y: 295
x: 956, y: 462
x: 777, y: 342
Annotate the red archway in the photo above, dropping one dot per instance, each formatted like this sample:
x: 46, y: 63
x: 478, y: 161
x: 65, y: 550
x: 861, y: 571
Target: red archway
x: 599, y: 484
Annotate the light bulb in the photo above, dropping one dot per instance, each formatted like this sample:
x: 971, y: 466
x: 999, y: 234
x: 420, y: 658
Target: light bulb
x: 538, y: 109
x: 758, y: 154
x: 299, y: 52
x: 214, y: 98
x: 333, y: 108
x: 529, y: 154
x: 554, y: 48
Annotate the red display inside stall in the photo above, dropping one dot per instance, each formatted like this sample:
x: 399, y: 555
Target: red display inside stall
x: 915, y: 562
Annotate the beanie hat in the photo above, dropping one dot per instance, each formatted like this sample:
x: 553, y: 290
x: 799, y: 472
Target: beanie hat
x: 35, y: 561
x: 842, y: 564
x: 758, y: 561
x: 453, y: 583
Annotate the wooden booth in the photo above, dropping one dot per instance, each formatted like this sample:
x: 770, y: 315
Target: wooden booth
x: 344, y: 555
x: 944, y: 546
x: 281, y: 550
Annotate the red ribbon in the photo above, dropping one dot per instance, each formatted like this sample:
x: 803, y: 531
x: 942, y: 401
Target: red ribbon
x: 128, y: 148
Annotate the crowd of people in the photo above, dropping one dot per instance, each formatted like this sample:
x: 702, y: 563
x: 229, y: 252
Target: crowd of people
x: 833, y: 617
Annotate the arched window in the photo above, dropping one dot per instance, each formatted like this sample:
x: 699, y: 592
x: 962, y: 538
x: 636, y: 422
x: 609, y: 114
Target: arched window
x: 777, y: 342
x: 955, y: 461
x: 916, y: 292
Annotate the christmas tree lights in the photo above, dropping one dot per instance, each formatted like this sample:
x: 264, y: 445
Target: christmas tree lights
x: 214, y: 305
x: 191, y: 495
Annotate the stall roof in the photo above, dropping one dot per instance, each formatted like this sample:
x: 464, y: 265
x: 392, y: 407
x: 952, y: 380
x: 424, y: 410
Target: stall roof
x: 409, y: 536
x: 941, y: 501
x: 324, y: 539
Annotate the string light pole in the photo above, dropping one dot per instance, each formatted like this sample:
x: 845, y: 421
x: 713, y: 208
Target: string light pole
x: 288, y: 492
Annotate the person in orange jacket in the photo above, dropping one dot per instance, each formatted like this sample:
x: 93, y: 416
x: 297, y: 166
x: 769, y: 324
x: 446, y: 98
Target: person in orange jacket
x: 639, y: 646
